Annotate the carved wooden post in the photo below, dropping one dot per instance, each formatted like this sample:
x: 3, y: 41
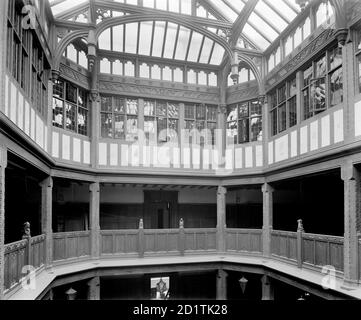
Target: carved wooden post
x: 221, y: 293
x: 351, y: 179
x: 300, y: 230
x: 267, y: 288
x: 181, y: 237
x: 94, y: 289
x: 3, y: 164
x: 221, y: 219
x: 141, y: 239
x: 47, y: 217
x: 94, y: 220
x: 267, y: 191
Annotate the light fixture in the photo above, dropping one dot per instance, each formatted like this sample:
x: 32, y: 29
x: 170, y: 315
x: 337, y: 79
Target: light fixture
x: 71, y: 294
x: 243, y: 283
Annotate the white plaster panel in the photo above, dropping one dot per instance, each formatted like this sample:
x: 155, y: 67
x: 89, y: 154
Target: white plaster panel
x: 135, y: 156
x: 304, y: 139
x: 229, y: 158
x: 325, y: 131
x: 27, y: 118
x: 196, y: 158
x: 215, y: 159
x: 66, y: 147
x: 6, y: 96
x: 46, y: 138
x: 38, y: 130
x: 21, y: 112
x: 358, y: 118
x: 103, y: 154
x: 13, y: 105
x: 163, y: 157
x: 146, y: 156
x: 124, y: 155
x: 314, y: 135
x: 270, y: 152
x: 259, y: 156
x: 206, y: 159
x: 249, y: 157
x: 32, y: 123
x: 55, y: 145
x: 338, y: 126
x: 186, y: 158
x: 86, y: 152
x: 76, y: 150
x: 238, y: 161
x: 176, y: 158
x: 113, y: 154
x: 293, y: 143
x: 281, y: 148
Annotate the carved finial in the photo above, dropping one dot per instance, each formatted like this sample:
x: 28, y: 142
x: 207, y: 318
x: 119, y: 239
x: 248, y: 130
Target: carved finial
x: 181, y: 223
x: 141, y: 224
x: 300, y: 226
x: 26, y: 231
x: 341, y: 36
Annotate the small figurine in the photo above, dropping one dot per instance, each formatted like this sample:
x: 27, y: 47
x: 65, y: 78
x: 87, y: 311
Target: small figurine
x: 27, y: 233
x: 181, y: 223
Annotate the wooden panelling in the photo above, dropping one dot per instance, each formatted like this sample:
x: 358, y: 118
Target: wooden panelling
x: 15, y: 260
x: 244, y: 240
x: 165, y: 240
x: 71, y: 245
x: 38, y: 251
x: 200, y: 240
x: 284, y: 244
x: 321, y: 250
x: 118, y: 242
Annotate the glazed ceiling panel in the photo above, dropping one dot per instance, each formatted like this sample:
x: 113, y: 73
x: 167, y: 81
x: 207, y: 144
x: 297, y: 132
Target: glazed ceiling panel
x: 267, y: 21
x: 163, y: 40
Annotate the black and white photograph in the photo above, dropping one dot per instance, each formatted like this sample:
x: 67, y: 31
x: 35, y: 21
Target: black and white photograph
x: 186, y: 158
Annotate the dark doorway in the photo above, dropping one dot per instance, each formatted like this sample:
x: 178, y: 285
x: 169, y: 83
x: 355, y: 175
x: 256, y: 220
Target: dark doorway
x: 160, y: 209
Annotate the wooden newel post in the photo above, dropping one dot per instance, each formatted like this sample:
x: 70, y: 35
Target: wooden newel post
x: 300, y: 231
x: 141, y: 239
x: 27, y: 236
x: 182, y: 237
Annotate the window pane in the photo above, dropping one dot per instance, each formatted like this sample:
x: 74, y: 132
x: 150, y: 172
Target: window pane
x: 162, y: 129
x: 232, y: 132
x: 119, y: 132
x: 161, y: 109
x: 106, y: 104
x: 189, y: 111
x: 145, y: 37
x: 256, y: 129
x: 243, y: 131
x: 256, y: 108
x: 200, y: 112
x: 335, y: 57
x: 243, y: 110
x: 307, y: 76
x: 58, y: 109
x: 71, y: 93
x: 173, y: 110
x: 149, y: 126
x: 292, y: 88
x: 336, y: 87
x: 173, y: 129
x: 106, y: 125
x: 321, y: 67
x: 119, y: 104
x: 318, y: 92
x: 274, y: 129
x: 282, y: 94
x: 232, y: 113
x: 131, y: 32
x: 132, y: 128
x: 292, y: 111
x: 182, y: 44
x: 58, y: 89
x: 70, y: 120
x: 170, y: 40
x: 282, y: 118
x: 307, y: 112
x: 211, y: 113
x: 149, y: 108
x: 132, y: 106
x: 82, y: 121
x: 359, y: 72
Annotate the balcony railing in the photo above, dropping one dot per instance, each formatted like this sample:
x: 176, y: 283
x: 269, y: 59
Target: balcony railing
x: 298, y: 248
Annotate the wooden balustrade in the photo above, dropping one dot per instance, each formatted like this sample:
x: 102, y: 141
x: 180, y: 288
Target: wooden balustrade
x: 38, y: 251
x: 284, y: 244
x: 320, y: 250
x: 118, y: 242
x: 359, y: 258
x: 244, y: 240
x: 196, y: 240
x: 68, y: 245
x: 161, y: 241
x: 15, y: 259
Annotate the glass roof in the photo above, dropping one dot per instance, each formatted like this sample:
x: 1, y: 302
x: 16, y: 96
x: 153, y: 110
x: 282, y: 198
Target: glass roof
x: 266, y: 22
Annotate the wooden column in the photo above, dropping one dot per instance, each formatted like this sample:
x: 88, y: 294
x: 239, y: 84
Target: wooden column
x: 267, y: 288
x: 267, y: 191
x: 94, y: 219
x: 265, y: 127
x: 3, y: 164
x: 47, y: 218
x: 221, y: 293
x: 351, y: 180
x: 221, y: 219
x: 94, y: 289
